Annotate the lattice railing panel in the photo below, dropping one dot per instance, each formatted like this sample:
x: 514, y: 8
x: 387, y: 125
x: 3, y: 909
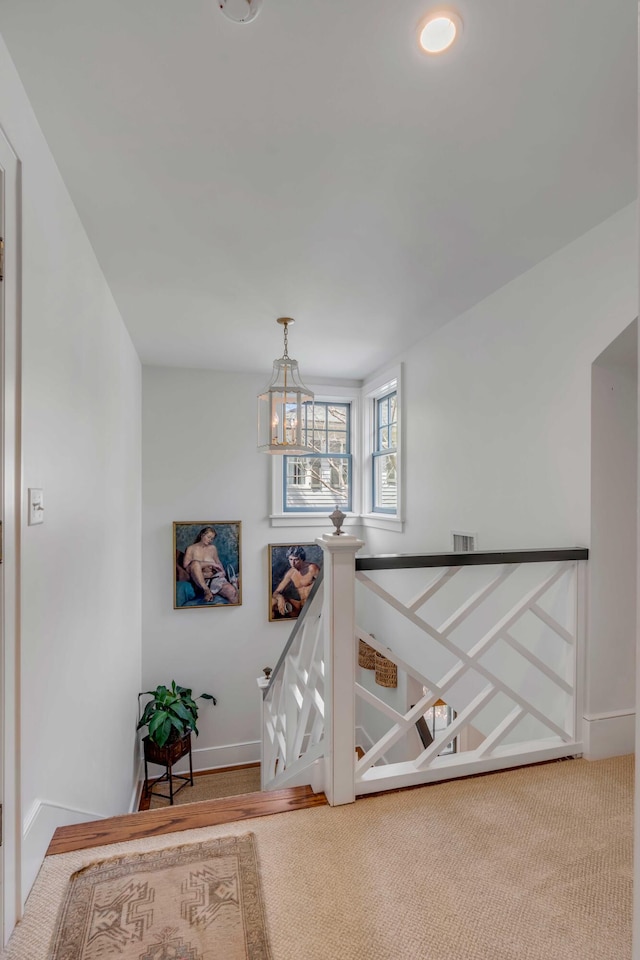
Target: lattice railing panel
x: 496, y: 643
x: 293, y: 708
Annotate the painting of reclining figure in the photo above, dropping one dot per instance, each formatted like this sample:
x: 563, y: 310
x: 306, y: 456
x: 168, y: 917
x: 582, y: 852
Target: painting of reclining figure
x: 207, y: 564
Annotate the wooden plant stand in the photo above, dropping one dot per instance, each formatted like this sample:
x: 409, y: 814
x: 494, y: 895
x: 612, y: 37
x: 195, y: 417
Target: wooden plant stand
x: 166, y: 757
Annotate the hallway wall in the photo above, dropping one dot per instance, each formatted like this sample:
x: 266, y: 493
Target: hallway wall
x: 610, y: 695
x: 201, y: 463
x: 80, y: 642
x: 497, y: 413
x: 498, y: 402
x: 498, y: 420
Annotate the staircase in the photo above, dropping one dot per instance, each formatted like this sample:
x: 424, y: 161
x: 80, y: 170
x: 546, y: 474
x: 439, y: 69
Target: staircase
x: 189, y: 816
x: 497, y: 636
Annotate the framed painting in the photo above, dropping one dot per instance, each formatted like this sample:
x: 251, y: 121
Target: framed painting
x: 293, y: 569
x: 207, y: 564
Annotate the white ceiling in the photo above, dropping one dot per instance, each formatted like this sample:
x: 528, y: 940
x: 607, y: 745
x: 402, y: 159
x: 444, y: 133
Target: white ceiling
x: 314, y: 164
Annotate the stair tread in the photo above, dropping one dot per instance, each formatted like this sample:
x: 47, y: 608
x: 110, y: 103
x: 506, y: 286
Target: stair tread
x: 188, y: 816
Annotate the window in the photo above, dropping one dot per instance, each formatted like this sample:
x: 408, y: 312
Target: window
x: 319, y: 482
x: 384, y: 455
x: 438, y: 719
x: 354, y: 432
x: 299, y: 474
x: 382, y: 439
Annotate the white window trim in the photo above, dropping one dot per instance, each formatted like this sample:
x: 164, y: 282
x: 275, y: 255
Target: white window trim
x: 381, y: 383
x: 362, y: 412
x: 278, y: 517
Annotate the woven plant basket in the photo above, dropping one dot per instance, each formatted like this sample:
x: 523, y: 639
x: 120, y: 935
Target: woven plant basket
x: 366, y: 655
x: 386, y: 671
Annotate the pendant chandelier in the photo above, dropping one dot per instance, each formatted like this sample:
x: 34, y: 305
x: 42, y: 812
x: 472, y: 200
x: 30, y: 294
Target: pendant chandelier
x: 284, y: 405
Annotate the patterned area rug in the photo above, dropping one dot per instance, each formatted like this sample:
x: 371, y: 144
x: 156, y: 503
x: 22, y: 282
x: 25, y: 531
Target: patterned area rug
x: 195, y: 902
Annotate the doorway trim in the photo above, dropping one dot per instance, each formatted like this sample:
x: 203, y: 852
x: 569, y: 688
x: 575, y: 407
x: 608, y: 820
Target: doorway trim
x: 11, y: 507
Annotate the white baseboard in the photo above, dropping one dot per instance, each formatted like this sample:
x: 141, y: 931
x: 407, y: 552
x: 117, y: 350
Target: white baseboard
x: 42, y: 820
x: 138, y: 787
x: 609, y: 734
x: 208, y: 758
x: 316, y: 776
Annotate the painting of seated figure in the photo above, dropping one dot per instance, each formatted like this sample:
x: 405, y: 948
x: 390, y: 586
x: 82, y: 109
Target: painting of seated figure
x: 293, y: 570
x: 207, y: 564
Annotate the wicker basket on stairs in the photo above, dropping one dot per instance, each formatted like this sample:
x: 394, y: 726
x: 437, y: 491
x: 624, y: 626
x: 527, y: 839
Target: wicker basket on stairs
x: 386, y: 671
x: 366, y: 655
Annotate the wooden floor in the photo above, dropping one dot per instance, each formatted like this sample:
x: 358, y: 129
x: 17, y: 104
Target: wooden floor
x: 207, y: 813
x: 145, y: 799
x: 153, y: 823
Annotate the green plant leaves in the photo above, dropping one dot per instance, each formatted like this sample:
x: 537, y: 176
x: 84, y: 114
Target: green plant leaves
x: 171, y: 708
x: 182, y: 710
x: 162, y: 732
x: 156, y: 721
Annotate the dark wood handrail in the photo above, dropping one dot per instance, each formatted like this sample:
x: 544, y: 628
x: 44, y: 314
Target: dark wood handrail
x: 294, y: 633
x: 405, y: 561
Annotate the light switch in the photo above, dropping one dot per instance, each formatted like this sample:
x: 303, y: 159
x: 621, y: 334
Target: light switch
x: 36, y: 506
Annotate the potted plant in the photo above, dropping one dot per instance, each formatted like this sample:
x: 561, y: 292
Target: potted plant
x: 171, y: 714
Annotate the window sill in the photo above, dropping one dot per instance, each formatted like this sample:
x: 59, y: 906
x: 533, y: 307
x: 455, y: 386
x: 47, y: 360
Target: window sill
x: 382, y: 522
x: 310, y: 520
x: 375, y: 520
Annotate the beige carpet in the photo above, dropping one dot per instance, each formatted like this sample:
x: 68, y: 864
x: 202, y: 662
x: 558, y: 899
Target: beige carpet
x: 210, y: 786
x: 174, y: 904
x: 534, y: 864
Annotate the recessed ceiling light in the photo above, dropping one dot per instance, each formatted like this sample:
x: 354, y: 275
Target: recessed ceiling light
x: 240, y: 11
x: 437, y: 31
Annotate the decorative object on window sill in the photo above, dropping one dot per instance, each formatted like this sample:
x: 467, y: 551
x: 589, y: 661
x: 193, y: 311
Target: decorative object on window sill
x: 284, y: 405
x: 386, y: 671
x: 267, y: 671
x: 366, y: 655
x: 337, y: 519
x: 240, y: 11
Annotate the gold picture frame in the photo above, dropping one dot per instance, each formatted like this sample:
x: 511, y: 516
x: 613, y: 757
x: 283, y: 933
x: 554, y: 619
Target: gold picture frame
x: 207, y: 571
x: 293, y: 569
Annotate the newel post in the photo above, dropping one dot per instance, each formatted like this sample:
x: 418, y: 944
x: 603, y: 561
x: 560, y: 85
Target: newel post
x: 339, y: 665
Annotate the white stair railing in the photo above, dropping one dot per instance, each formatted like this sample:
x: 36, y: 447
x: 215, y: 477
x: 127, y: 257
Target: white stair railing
x: 293, y: 703
x: 493, y: 639
x: 309, y: 703
x: 499, y: 643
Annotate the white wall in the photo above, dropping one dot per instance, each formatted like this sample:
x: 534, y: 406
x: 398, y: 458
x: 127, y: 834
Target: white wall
x: 636, y: 812
x: 610, y: 683
x: 498, y: 423
x: 497, y: 413
x: 80, y: 644
x: 498, y: 430
x: 497, y: 403
x: 200, y: 463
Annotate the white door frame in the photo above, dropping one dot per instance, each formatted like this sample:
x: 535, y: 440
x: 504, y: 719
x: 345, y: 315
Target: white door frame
x: 10, y: 493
